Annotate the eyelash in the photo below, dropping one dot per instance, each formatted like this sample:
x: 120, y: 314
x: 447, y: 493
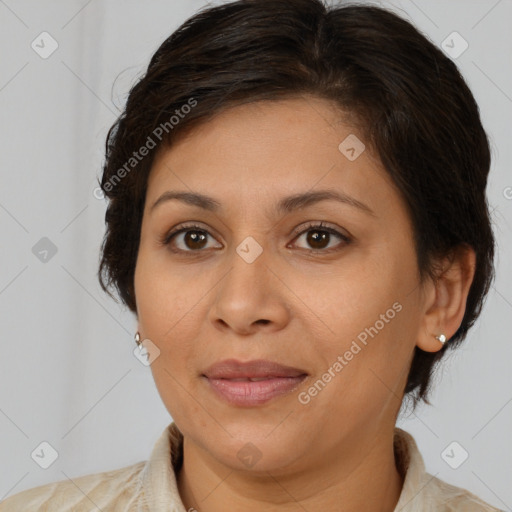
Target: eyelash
x: 168, y: 237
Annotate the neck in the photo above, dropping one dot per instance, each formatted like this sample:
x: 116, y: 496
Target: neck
x: 361, y: 478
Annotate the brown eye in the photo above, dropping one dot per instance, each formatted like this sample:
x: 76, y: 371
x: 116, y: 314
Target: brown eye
x: 318, y: 238
x: 194, y: 239
x: 187, y: 239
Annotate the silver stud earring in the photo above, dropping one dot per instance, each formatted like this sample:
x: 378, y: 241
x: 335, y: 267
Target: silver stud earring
x: 441, y: 338
x: 137, y: 337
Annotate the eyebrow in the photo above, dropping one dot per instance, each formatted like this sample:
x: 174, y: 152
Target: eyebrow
x: 285, y: 205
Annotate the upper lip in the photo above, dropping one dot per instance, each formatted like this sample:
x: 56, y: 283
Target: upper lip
x: 258, y: 368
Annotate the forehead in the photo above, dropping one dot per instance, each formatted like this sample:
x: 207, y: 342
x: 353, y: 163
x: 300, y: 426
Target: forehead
x: 287, y: 123
x: 265, y: 150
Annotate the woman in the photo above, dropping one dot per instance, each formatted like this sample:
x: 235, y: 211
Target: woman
x: 297, y: 218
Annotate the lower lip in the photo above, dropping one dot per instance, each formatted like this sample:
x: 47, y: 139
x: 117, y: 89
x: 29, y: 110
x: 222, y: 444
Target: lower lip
x: 248, y: 393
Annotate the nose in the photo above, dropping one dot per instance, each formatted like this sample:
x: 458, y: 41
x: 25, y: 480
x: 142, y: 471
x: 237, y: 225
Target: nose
x: 250, y: 297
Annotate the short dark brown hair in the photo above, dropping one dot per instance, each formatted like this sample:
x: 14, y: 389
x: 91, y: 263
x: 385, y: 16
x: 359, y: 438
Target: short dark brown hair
x: 407, y: 98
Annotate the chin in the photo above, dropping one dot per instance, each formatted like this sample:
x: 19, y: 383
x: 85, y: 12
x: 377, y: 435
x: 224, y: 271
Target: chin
x: 254, y: 451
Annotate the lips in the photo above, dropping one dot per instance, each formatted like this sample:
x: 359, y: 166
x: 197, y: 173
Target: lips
x: 258, y: 369
x: 252, y: 383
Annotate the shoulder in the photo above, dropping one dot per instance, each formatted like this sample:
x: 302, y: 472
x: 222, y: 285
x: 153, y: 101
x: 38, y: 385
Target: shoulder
x: 119, y: 488
x: 424, y: 492
x: 447, y: 497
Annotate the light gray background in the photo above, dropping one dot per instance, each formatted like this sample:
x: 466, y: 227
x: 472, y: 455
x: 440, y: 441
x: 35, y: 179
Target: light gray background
x: 67, y: 372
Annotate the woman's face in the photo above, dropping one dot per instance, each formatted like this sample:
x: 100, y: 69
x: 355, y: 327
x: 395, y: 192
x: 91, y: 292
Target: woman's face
x: 342, y: 303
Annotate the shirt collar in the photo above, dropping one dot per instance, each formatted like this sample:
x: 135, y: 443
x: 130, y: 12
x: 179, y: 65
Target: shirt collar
x: 410, y: 466
x: 159, y: 484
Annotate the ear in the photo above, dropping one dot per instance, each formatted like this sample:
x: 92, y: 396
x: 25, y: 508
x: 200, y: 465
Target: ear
x: 445, y: 298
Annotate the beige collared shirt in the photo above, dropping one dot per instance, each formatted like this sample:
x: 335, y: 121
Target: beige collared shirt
x: 151, y: 486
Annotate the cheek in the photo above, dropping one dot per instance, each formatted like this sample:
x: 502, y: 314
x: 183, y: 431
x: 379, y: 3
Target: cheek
x: 366, y: 325
x: 363, y: 372
x: 347, y: 298
x: 165, y: 296
x: 176, y: 392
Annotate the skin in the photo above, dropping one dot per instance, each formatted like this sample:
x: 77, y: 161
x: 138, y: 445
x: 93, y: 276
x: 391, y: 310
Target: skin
x: 291, y: 305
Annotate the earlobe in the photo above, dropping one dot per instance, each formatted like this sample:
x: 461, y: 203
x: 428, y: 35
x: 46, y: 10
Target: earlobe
x: 446, y: 304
